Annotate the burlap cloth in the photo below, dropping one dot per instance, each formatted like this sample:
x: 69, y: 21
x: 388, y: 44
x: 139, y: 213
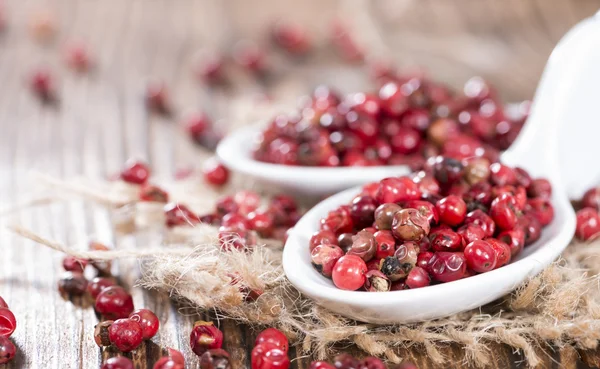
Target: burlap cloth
x: 560, y: 306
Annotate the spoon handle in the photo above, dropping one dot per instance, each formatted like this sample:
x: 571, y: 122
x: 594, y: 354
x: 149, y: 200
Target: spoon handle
x: 561, y: 138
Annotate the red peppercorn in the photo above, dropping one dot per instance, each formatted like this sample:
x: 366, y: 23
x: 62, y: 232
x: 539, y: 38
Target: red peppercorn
x: 114, y: 303
x: 8, y: 322
x: 273, y: 336
x: 42, y: 85
x: 322, y: 237
x: 503, y: 211
x: 338, y: 221
x: 119, y: 362
x: 447, y: 266
x: 261, y: 222
x: 393, y: 190
x: 126, y: 334
x: 157, y: 98
x: 234, y: 221
x: 73, y: 264
x: 591, y: 198
x: 7, y: 350
x: 446, y: 240
x: 249, y: 56
x: 345, y: 361
x: 148, y: 321
x: 452, y: 210
x: 324, y: 257
x: 371, y: 363
x: 205, y: 336
x: 167, y: 363
x: 423, y: 259
x: 290, y: 37
x: 153, y: 193
x: 470, y: 233
x: 179, y: 215
x: 501, y: 175
x: 226, y: 205
x: 483, y: 220
x: 480, y: 256
x: 176, y: 356
x: 98, y: 284
x: 393, y: 101
x: 321, y: 365
x: 417, y: 278
x: 426, y: 209
x: 541, y: 209
x: 349, y: 273
x: 135, y: 172
x: 502, y: 251
x: 247, y: 201
x: 209, y: 67
x: 77, y: 57
x: 588, y: 224
x: 362, y: 211
x: 386, y: 244
x: 532, y: 228
x: 215, y: 173
x: 540, y: 187
x: 376, y: 281
x: 515, y: 239
x: 269, y: 356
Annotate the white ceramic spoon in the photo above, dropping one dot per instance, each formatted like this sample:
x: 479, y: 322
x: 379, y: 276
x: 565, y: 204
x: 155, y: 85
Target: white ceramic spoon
x: 235, y: 151
x: 565, y: 103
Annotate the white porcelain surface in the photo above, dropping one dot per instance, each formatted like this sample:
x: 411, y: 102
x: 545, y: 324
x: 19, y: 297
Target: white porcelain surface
x: 235, y: 151
x: 558, y: 142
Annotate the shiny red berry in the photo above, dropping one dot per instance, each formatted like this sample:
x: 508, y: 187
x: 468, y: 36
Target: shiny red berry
x: 410, y: 225
x: 588, y: 224
x: 73, y: 264
x: 478, y: 217
x: 98, y: 284
x: 503, y: 211
x: 541, y: 209
x: 205, y: 336
x: 126, y: 334
x: 148, y: 321
x: 386, y: 244
x: 470, y: 233
x: 349, y: 273
x: 393, y: 190
x: 502, y: 251
x: 324, y: 257
x: 322, y: 237
x: 515, y: 239
x: 215, y: 359
x: 153, y: 193
x: 273, y: 336
x: 446, y: 240
x: 7, y: 350
x: 452, y: 210
x: 321, y: 365
x: 167, y: 363
x: 215, y: 173
x: 338, y: 221
x: 42, y: 85
x: 261, y: 222
x: 119, y: 362
x: 8, y: 322
x: 540, y: 187
x: 591, y: 198
x: 72, y: 283
x: 502, y: 175
x: 179, y: 215
x: 269, y: 356
x: 417, y: 278
x: 114, y: 303
x: 423, y: 259
x: 362, y: 211
x: 447, y: 266
x: 135, y: 172
x: 480, y: 256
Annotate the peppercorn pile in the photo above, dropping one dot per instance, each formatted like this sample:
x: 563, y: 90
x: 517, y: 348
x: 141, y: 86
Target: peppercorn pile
x: 409, y: 120
x: 450, y: 221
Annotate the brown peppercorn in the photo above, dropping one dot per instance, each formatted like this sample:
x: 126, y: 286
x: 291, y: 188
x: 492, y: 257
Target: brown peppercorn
x: 215, y: 359
x: 101, y: 333
x: 72, y: 283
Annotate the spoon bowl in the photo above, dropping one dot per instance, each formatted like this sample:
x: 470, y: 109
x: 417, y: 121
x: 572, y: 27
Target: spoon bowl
x: 235, y: 151
x: 423, y: 303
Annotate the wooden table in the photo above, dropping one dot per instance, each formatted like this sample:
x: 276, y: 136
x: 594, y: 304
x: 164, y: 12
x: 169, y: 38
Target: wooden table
x: 101, y: 121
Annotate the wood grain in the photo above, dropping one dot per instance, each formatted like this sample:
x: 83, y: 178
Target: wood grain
x: 101, y: 121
